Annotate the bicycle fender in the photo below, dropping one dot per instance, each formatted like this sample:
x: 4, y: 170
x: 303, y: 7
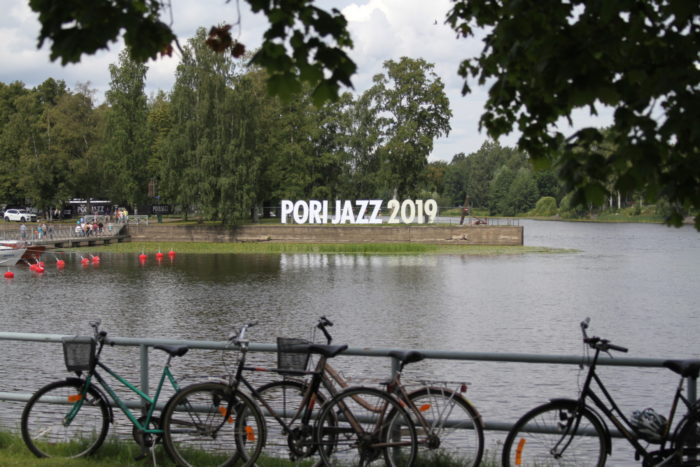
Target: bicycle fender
x: 691, y: 417
x: 99, y: 392
x: 440, y: 390
x: 594, y: 414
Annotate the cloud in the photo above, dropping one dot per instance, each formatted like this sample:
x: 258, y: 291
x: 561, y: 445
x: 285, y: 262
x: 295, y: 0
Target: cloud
x: 381, y: 30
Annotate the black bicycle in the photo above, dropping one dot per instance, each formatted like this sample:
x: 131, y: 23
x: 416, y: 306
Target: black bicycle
x: 571, y: 432
x: 299, y: 422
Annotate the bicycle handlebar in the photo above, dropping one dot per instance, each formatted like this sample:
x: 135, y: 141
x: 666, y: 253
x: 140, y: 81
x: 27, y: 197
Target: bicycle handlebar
x: 598, y: 343
x: 323, y: 323
x: 238, y: 337
x: 100, y: 336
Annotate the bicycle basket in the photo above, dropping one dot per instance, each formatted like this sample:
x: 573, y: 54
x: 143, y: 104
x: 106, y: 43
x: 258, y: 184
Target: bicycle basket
x: 79, y: 353
x: 292, y: 353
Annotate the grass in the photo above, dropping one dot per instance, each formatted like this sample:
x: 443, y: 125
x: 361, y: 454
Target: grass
x: 115, y: 453
x: 316, y: 248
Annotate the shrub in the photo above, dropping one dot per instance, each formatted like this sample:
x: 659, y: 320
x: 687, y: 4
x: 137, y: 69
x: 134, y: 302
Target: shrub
x: 545, y: 207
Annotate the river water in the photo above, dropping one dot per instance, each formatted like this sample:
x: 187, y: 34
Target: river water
x: 637, y: 282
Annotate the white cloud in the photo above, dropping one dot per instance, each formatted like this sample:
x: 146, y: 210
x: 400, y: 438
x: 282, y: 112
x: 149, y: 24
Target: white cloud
x: 381, y: 30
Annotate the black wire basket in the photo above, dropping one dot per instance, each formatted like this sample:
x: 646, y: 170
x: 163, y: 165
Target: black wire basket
x: 292, y: 354
x: 79, y: 353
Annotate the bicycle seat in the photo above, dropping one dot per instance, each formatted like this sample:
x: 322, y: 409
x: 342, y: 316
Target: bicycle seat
x: 174, y: 351
x: 410, y: 356
x: 328, y: 351
x: 685, y: 368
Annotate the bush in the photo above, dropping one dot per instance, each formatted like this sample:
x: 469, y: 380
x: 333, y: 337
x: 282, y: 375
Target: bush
x: 545, y: 207
x: 567, y: 211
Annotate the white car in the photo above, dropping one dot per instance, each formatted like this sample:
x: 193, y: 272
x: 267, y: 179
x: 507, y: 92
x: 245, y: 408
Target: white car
x: 19, y: 215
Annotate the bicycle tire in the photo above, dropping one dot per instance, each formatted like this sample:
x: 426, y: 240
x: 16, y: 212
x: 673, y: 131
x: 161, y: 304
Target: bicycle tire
x: 455, y: 435
x: 387, y: 436
x: 286, y: 398
x: 211, y: 424
x: 44, y: 432
x: 686, y: 439
x: 529, y: 444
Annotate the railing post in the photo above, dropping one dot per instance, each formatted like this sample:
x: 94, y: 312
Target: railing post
x: 692, y: 389
x: 144, y: 372
x: 394, y: 367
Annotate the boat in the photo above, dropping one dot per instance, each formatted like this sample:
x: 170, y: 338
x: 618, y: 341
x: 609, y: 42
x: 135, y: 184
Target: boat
x: 31, y: 252
x: 10, y: 256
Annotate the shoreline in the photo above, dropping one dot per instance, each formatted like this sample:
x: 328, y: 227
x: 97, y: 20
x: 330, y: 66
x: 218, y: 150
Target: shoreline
x: 186, y: 247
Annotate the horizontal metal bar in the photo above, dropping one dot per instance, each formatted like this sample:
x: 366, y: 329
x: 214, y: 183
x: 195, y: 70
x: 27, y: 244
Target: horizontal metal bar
x: 361, y: 351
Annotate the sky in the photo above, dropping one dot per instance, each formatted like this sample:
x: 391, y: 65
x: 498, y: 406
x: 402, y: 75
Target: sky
x: 381, y: 30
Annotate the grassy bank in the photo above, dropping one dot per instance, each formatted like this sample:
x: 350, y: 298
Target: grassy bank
x: 332, y: 248
x: 113, y: 453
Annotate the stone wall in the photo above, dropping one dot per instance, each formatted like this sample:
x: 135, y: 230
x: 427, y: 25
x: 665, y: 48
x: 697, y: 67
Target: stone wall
x: 462, y: 235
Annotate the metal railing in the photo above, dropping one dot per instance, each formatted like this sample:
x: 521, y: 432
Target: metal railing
x: 145, y: 344
x: 57, y: 233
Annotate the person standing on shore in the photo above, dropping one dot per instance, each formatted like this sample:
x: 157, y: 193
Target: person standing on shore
x: 23, y: 231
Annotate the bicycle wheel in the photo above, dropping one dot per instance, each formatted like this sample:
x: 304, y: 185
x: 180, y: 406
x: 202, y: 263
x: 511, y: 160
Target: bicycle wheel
x: 556, y: 434
x: 43, y: 428
x: 209, y: 424
x: 686, y: 439
x: 365, y: 426
x: 285, y: 398
x: 454, y: 434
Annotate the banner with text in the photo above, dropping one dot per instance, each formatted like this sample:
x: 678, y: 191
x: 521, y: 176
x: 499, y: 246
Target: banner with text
x: 362, y: 211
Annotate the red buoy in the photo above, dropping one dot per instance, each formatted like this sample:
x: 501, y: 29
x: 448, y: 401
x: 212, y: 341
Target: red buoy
x: 159, y: 255
x: 9, y: 275
x: 60, y: 264
x: 142, y: 257
x: 84, y: 261
x: 171, y: 254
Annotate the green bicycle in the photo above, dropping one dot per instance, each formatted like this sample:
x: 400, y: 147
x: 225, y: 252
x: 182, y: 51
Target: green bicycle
x: 70, y: 418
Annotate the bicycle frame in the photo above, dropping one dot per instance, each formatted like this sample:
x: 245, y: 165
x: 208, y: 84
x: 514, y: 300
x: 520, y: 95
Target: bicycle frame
x: 148, y: 402
x: 606, y: 404
x: 318, y: 379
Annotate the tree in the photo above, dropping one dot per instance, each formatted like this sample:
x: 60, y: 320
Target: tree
x: 544, y: 60
x: 125, y: 144
x: 414, y: 111
x: 523, y: 193
x: 499, y: 202
x: 11, y: 129
x: 211, y: 162
x: 303, y: 44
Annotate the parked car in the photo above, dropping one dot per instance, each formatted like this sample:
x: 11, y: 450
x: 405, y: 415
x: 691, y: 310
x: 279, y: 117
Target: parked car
x: 19, y: 215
